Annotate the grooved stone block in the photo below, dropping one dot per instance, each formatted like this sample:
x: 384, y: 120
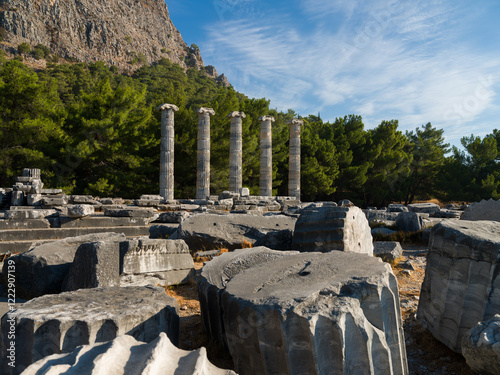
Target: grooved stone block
x: 331, y: 228
x: 60, y: 323
x: 304, y: 313
x: 462, y: 279
x: 159, y: 357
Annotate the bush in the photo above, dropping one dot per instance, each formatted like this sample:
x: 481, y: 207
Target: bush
x: 41, y: 52
x: 24, y: 48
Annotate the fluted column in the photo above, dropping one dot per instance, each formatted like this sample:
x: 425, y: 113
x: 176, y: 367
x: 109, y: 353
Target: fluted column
x: 167, y: 151
x: 203, y: 153
x: 294, y: 163
x: 235, y: 151
x: 266, y: 156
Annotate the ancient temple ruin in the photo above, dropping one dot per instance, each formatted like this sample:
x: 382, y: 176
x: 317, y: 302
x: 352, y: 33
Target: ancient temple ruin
x: 235, y: 154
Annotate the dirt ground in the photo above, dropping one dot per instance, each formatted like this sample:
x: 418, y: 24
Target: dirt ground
x: 426, y: 355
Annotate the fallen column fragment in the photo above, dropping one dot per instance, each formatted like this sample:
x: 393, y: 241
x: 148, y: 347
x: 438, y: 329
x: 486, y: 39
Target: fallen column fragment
x: 60, y: 323
x: 314, y: 313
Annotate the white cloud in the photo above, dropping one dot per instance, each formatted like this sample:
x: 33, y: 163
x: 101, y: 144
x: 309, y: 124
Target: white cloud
x: 382, y: 59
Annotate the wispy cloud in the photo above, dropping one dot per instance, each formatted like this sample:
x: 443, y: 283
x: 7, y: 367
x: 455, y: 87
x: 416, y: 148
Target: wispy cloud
x: 382, y: 59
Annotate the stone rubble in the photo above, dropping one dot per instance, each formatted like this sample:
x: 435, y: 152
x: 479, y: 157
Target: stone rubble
x: 481, y: 347
x: 60, y: 323
x: 42, y: 269
x: 330, y: 228
x: 116, y: 357
x: 289, y: 312
x: 462, y: 284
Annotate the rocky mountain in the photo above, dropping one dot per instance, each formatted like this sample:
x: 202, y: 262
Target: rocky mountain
x: 123, y: 33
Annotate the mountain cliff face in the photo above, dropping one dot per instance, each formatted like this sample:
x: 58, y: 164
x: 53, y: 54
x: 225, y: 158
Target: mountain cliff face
x: 119, y: 32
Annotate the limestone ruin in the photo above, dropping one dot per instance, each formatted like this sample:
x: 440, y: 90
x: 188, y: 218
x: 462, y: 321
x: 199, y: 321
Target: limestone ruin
x: 308, y: 313
x: 333, y: 228
x: 167, y: 151
x: 60, y: 323
x: 461, y: 285
x: 125, y: 355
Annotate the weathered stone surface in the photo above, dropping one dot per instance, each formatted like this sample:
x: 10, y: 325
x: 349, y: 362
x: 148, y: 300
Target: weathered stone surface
x: 448, y: 214
x: 22, y: 224
x: 60, y: 323
x: 226, y: 194
x: 333, y: 228
x: 381, y: 215
x: 266, y: 156
x: 166, y: 151
x: 51, y: 191
x: 83, y: 199
x: 95, y: 264
x: 34, y: 199
x: 235, y: 151
x: 29, y: 214
x: 345, y: 203
x: 409, y: 222
x: 80, y: 210
x: 159, y: 357
x: 42, y: 270
x: 244, y: 192
x: 173, y: 216
x: 387, y: 250
x: 131, y: 212
x: 304, y: 313
x: 294, y: 158
x: 203, y: 153
x: 17, y: 198
x: 484, y: 210
x: 280, y: 240
x: 98, y: 221
x: 162, y: 230
x: 168, y: 260
x: 462, y: 284
x: 397, y: 207
x: 55, y: 201
x: 428, y: 208
x: 214, y: 277
x: 210, y: 231
x: 481, y: 347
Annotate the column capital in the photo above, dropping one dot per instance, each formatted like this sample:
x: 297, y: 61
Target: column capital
x: 295, y: 121
x: 166, y: 107
x: 266, y: 118
x: 203, y: 110
x: 236, y: 114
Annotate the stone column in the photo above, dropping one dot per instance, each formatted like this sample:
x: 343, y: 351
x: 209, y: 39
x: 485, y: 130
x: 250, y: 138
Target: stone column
x: 167, y: 151
x: 294, y: 163
x: 266, y: 156
x: 203, y: 155
x: 235, y: 152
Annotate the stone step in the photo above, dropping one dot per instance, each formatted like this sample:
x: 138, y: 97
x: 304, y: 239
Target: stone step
x: 20, y: 240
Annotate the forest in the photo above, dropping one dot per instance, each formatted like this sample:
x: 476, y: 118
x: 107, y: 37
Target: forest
x: 94, y: 130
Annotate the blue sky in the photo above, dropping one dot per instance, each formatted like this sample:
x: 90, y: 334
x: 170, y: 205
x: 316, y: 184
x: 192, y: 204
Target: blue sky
x: 415, y: 61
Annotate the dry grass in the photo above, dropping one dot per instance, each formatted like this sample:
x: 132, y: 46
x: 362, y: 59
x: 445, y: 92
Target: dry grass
x: 426, y: 354
x: 246, y: 245
x: 192, y: 333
